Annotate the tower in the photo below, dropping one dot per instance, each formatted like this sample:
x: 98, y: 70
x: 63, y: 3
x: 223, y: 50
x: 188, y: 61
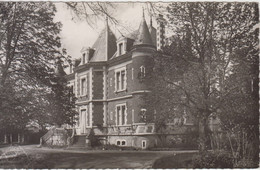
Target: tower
x: 142, y: 52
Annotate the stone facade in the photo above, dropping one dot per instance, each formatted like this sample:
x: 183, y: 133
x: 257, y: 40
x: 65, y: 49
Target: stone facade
x: 106, y: 82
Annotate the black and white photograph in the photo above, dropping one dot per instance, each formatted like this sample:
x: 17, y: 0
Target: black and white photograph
x: 129, y: 85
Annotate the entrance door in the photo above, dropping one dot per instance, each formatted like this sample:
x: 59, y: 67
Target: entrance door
x: 83, y: 121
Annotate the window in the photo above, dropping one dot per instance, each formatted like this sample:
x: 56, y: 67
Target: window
x: 83, y: 88
x: 82, y: 122
x: 111, y: 115
x: 123, y: 80
x: 88, y: 119
x: 120, y: 50
x: 120, y: 79
x: 83, y: 58
x: 142, y: 71
x: 85, y: 118
x: 132, y: 73
x: 143, y: 144
x: 121, y: 142
x: 121, y: 114
x: 133, y: 115
x: 143, y: 115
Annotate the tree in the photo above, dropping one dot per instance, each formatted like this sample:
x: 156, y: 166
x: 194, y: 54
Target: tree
x: 29, y: 44
x: 61, y: 98
x: 192, y: 72
x: 240, y: 114
x: 92, y: 10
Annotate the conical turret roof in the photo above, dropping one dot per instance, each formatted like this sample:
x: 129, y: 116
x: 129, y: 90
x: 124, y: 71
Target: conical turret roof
x: 144, y: 36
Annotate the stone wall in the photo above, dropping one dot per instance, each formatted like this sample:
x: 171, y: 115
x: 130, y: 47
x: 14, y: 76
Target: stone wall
x: 133, y: 141
x: 136, y: 135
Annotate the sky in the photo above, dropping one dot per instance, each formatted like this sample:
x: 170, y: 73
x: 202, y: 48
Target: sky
x: 76, y: 34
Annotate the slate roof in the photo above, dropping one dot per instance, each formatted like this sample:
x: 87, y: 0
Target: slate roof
x: 105, y: 45
x: 144, y: 36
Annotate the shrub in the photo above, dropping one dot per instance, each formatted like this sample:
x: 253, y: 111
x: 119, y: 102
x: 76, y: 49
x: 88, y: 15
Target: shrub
x: 174, y: 161
x: 216, y: 159
x: 246, y: 163
x: 112, y: 147
x: 94, y: 142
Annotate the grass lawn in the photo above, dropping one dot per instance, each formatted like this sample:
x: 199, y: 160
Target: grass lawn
x: 49, y: 160
x: 33, y: 157
x: 174, y: 161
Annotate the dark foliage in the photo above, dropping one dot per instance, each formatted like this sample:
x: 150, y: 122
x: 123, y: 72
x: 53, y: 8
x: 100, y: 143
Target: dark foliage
x: 246, y: 163
x: 29, y: 45
x: 94, y: 142
x: 199, y: 71
x: 176, y: 161
x: 216, y: 159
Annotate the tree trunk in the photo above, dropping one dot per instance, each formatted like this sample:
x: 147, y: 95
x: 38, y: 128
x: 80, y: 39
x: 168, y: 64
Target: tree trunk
x: 203, y: 134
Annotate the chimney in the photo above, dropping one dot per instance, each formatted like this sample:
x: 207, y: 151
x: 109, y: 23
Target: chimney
x: 160, y: 32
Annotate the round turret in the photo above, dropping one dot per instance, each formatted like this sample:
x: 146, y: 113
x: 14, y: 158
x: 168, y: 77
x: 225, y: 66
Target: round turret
x: 142, y: 53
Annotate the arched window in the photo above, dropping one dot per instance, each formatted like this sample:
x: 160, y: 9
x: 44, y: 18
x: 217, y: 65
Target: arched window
x: 143, y: 114
x: 142, y: 71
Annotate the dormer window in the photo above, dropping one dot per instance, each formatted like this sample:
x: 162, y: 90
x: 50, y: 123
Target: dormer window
x: 121, y: 46
x: 124, y: 44
x: 120, y: 50
x: 87, y: 54
x: 84, y: 58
